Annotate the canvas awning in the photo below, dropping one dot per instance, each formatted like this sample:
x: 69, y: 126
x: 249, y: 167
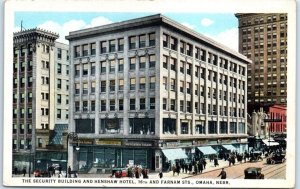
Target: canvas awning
x: 229, y: 147
x: 173, y: 154
x: 207, y: 150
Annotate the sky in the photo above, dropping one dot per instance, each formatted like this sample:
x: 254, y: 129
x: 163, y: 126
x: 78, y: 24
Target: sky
x: 221, y: 27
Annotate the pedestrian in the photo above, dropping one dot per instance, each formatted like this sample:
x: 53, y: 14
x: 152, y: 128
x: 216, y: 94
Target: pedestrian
x: 173, y: 169
x: 229, y: 160
x: 204, y: 163
x: 200, y: 167
x: 24, y: 171
x: 186, y: 166
x: 69, y: 171
x: 216, y: 163
x: 15, y: 170
x: 222, y: 174
x: 59, y: 168
x: 190, y: 168
x: 178, y: 169
x: 160, y: 174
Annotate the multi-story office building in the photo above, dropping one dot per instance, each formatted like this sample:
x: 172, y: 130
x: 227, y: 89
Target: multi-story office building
x: 40, y: 96
x: 149, y: 90
x: 263, y: 39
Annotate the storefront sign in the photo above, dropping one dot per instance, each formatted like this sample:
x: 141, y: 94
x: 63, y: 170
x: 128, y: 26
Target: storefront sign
x: 83, y: 141
x: 108, y: 142
x: 137, y: 143
x: 172, y: 144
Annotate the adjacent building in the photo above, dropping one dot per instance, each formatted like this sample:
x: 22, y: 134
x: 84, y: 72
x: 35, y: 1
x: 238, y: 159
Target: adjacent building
x: 40, y: 98
x: 263, y: 39
x: 149, y: 91
x: 277, y: 112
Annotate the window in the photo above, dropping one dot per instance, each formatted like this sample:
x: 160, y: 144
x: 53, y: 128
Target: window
x: 103, y: 46
x: 182, y: 47
x: 182, y: 86
x: 112, y: 105
x: 164, y: 104
x: 173, y: 43
x: 59, y: 99
x: 93, y: 87
x: 103, y: 87
x: 103, y: 66
x: 77, y: 88
x: 189, y: 50
x: 132, y: 63
x: 189, y: 106
x: 93, y: 105
x: 223, y: 127
x: 112, y: 45
x: 165, y: 83
x: 121, y: 65
x: 142, y: 64
x: 67, y: 70
x: 132, y: 104
x: 197, y: 107
x: 77, y: 70
x: 121, y: 44
x: 29, y: 113
x: 173, y: 64
x: 184, y: 128
x: 173, y: 105
x: 181, y: 105
x: 112, y: 65
x: 58, y: 83
x: 85, y: 70
x: 208, y: 92
x: 85, y: 88
x: 121, y: 104
x: 152, y: 61
x: 29, y: 129
x: 142, y: 41
x: 173, y: 85
x: 85, y: 106
x: 200, y: 127
x: 142, y: 83
x: 152, y: 103
x: 152, y: 82
x: 188, y: 68
x: 93, y: 48
x: 77, y: 51
x: 196, y: 89
x: 121, y: 84
x: 59, y: 53
x: 152, y: 39
x: 58, y: 115
x: 165, y: 61
x: 103, y: 105
x: 85, y: 50
x: 132, y: 42
x: 132, y: 83
x: 142, y: 104
x: 212, y: 127
x: 182, y: 66
x: 93, y: 68
x: 165, y: 40
x: 112, y: 84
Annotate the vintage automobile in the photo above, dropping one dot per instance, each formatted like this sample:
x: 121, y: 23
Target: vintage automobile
x: 274, y: 158
x: 256, y: 156
x: 253, y: 173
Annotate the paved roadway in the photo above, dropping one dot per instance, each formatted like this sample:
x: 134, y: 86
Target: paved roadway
x: 276, y: 171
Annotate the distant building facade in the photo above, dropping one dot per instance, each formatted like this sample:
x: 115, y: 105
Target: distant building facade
x: 147, y: 88
x: 263, y: 39
x: 40, y: 94
x: 277, y: 112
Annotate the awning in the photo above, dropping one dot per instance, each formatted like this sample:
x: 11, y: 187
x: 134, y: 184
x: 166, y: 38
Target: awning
x: 206, y: 150
x: 270, y: 143
x: 173, y: 154
x: 229, y: 147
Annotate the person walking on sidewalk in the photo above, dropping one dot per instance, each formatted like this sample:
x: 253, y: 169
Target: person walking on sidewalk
x: 222, y: 174
x: 216, y: 163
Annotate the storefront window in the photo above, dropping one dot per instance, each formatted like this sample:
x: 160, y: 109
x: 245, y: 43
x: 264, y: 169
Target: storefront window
x: 223, y: 127
x: 233, y: 127
x: 200, y: 127
x: 242, y: 128
x: 143, y: 126
x: 169, y: 126
x: 185, y: 128
x: 212, y: 127
x: 85, y: 125
x: 111, y: 126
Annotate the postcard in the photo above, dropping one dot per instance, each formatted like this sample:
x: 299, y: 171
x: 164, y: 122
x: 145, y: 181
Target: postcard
x: 138, y: 93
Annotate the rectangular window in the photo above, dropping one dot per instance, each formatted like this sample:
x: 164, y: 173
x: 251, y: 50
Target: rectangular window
x: 181, y: 105
x: 173, y: 43
x: 121, y: 65
x: 152, y: 103
x: 132, y: 63
x: 142, y: 104
x: 152, y: 61
x: 165, y: 61
x: 77, y: 106
x: 181, y: 86
x: 112, y: 65
x: 93, y: 48
x: 165, y: 40
x: 85, y: 50
x: 93, y: 105
x: 165, y: 83
x: 112, y: 45
x: 132, y: 104
x: 152, y: 82
x: 184, y: 128
x: 132, y: 84
x: 59, y: 99
x: 132, y: 41
x: 103, y: 87
x: 152, y: 39
x: 103, y: 46
x: 142, y: 64
x: 85, y: 106
x: 142, y: 41
x: 93, y: 68
x: 189, y: 49
x: 188, y: 68
x: 181, y: 66
x: 93, y: 87
x: 142, y: 83
x: 103, y: 67
x: 58, y: 114
x: 121, y: 84
x: 121, y: 104
x: 112, y: 84
x: 173, y: 85
x: 121, y: 44
x: 85, y: 88
x: 77, y: 88
x: 173, y: 105
x: 85, y: 70
x: 189, y: 106
x: 77, y: 51
x: 182, y: 47
x: 173, y: 64
x: 164, y: 104
x: 103, y: 105
x: 58, y: 83
x: 112, y: 105
x: 196, y: 89
x: 77, y: 70
x: 59, y: 53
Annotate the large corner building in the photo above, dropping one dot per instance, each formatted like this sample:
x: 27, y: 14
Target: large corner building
x: 263, y: 39
x: 149, y: 90
x: 40, y: 99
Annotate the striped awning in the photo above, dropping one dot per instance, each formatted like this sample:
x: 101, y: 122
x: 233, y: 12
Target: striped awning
x: 173, y: 154
x: 207, y: 150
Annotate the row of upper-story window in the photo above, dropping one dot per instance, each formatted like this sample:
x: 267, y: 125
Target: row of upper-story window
x: 21, y: 144
x: 60, y: 53
x: 113, y: 105
x: 262, y: 19
x: 115, y: 45
x: 222, y: 63
x: 23, y: 82
x: 25, y: 49
x: 22, y: 113
x: 261, y: 29
x: 112, y: 86
x: 21, y: 129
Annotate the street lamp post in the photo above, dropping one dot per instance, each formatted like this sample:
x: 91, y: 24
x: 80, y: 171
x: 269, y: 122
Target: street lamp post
x: 73, y: 136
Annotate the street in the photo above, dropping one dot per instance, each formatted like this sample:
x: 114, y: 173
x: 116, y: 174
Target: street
x: 276, y: 171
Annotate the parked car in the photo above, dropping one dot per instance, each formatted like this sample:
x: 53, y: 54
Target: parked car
x: 39, y: 173
x: 253, y: 173
x: 274, y: 158
x: 255, y: 156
